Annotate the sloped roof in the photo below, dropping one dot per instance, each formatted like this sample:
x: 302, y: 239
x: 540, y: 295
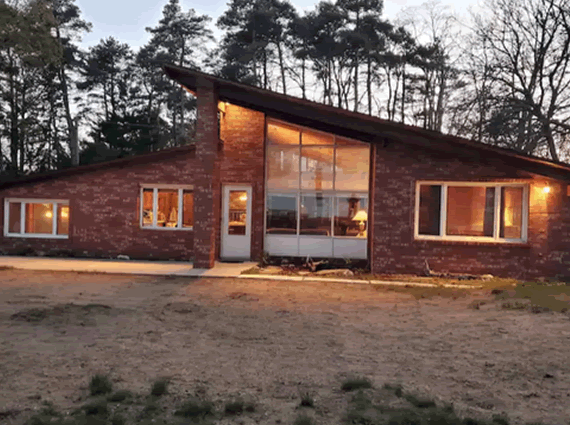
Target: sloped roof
x: 363, y: 127
x: 90, y: 168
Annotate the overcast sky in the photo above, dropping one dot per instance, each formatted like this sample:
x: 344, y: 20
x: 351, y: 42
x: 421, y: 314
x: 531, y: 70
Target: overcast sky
x: 126, y: 20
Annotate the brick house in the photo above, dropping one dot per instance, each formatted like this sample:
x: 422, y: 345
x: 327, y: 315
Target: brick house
x: 289, y: 177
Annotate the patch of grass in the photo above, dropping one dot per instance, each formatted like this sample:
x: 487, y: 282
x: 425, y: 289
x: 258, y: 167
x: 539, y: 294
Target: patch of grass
x: 195, y: 408
x: 397, y: 389
x: 118, y: 419
x: 419, y: 401
x: 542, y: 296
x: 234, y: 407
x: 303, y: 420
x: 96, y: 407
x: 307, y: 399
x: 150, y: 409
x: 514, y: 305
x: 119, y: 395
x: 100, y: 384
x: 357, y: 383
x: 159, y: 387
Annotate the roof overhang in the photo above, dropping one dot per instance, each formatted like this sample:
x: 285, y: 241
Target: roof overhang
x: 364, y: 127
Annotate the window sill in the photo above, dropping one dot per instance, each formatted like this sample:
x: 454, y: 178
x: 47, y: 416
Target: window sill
x: 38, y: 236
x: 507, y: 244
x: 170, y: 229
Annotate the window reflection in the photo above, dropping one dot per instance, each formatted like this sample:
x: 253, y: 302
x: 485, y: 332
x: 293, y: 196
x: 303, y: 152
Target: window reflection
x: 315, y: 215
x: 238, y: 212
x: 281, y: 215
x: 470, y: 211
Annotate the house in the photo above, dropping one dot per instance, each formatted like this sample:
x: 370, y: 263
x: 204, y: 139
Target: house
x: 289, y: 177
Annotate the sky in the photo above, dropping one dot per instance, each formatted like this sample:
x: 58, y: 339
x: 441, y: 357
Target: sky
x: 126, y: 20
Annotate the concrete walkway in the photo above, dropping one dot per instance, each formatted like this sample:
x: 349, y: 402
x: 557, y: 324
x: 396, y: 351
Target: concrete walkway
x: 157, y: 268
x: 178, y: 268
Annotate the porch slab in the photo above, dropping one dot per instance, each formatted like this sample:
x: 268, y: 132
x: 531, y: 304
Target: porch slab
x: 156, y: 268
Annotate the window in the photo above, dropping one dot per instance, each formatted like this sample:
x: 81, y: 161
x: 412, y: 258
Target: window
x: 40, y: 218
x: 167, y: 207
x: 495, y: 212
x: 317, y: 183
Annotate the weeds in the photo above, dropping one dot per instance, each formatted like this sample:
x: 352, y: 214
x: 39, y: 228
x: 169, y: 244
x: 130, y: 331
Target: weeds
x: 356, y: 384
x: 395, y: 388
x: 307, y: 399
x: 118, y: 396
x: 100, y: 384
x: 96, y: 408
x: 195, y: 408
x: 159, y: 387
x: 303, y: 420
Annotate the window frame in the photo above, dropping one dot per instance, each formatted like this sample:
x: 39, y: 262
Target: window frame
x: 23, y: 202
x: 495, y: 239
x: 155, y: 188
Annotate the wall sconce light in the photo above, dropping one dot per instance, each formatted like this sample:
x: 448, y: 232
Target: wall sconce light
x: 546, y: 189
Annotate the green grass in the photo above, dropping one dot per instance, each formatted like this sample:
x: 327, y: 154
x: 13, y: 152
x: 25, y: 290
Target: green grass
x: 100, y: 384
x: 159, y: 387
x: 357, y: 383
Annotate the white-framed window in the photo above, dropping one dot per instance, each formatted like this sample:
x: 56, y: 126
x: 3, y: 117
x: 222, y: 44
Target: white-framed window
x: 471, y: 211
x: 36, y: 218
x: 168, y: 207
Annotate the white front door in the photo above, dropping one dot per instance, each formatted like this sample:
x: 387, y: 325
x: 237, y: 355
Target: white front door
x: 236, y: 222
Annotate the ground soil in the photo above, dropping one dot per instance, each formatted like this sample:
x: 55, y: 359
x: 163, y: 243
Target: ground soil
x: 271, y: 340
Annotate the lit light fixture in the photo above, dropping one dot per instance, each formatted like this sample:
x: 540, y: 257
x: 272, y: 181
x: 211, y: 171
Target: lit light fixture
x: 546, y: 189
x: 243, y: 197
x: 64, y: 212
x: 48, y: 214
x: 361, y: 216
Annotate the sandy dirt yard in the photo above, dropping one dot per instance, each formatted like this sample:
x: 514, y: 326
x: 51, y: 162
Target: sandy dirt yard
x: 271, y: 340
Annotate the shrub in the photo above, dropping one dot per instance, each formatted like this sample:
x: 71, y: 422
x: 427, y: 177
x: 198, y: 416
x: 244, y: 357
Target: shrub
x: 100, y: 384
x: 234, y: 407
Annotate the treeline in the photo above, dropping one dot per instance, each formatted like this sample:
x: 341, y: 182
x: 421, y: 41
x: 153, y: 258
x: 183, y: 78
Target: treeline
x: 502, y: 78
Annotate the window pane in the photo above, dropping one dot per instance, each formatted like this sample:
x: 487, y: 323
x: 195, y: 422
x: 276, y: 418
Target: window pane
x: 315, y: 215
x: 188, y: 209
x: 349, y: 142
x: 511, y: 212
x: 316, y: 168
x: 238, y: 212
x: 39, y: 218
x: 147, y: 207
x: 470, y: 211
x: 316, y: 138
x: 14, y: 217
x: 282, y: 167
x: 62, y: 219
x: 282, y: 134
x: 351, y: 216
x: 430, y: 210
x: 352, y: 166
x: 167, y: 209
x: 281, y: 215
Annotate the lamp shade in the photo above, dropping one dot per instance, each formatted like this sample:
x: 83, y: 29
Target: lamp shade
x: 360, y: 216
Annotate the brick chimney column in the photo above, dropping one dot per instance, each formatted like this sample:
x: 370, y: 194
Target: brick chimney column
x: 206, y: 186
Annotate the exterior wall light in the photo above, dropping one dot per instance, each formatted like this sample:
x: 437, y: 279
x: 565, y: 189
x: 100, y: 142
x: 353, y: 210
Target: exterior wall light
x: 546, y: 189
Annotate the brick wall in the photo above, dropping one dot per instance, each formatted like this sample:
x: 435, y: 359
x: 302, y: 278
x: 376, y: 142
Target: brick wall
x: 398, y: 167
x: 243, y: 134
x: 104, y: 212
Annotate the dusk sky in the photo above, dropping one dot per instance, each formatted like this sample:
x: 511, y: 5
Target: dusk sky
x: 126, y: 20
